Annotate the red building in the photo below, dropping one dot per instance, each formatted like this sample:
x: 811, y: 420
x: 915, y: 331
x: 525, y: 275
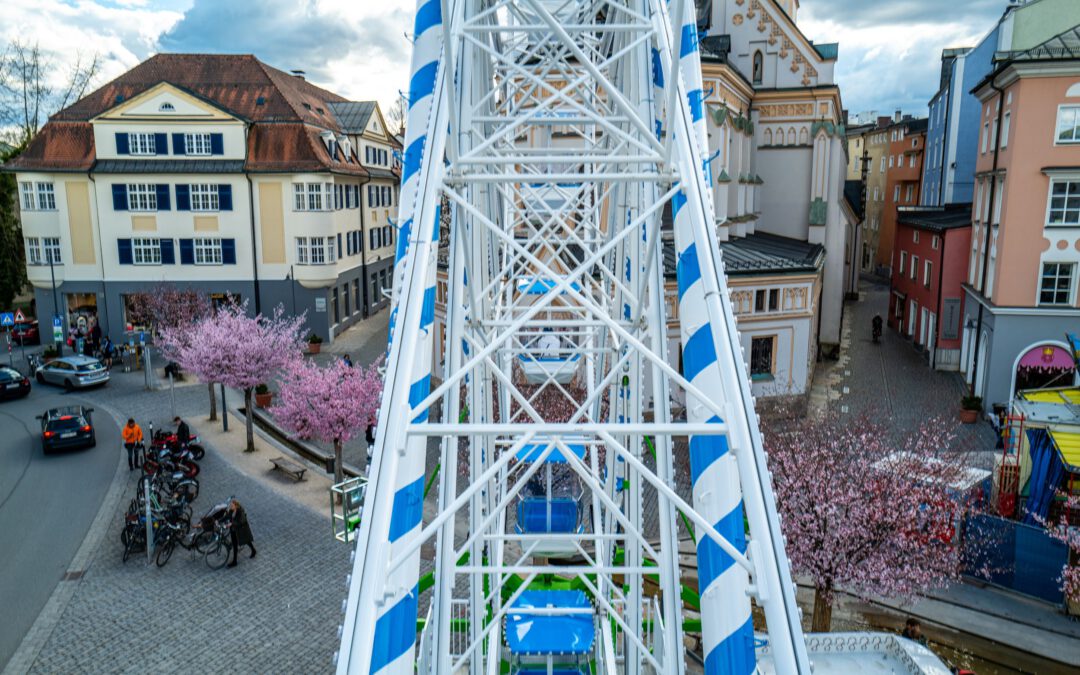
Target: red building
x: 930, y: 263
x: 903, y: 182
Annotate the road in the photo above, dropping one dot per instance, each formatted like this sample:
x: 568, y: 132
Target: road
x: 47, y: 504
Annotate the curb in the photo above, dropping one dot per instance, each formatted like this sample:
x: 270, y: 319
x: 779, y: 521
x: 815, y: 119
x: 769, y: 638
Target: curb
x: 42, y: 629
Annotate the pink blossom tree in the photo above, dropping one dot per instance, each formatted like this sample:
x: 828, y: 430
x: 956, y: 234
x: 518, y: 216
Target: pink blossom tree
x: 862, y: 514
x: 237, y: 350
x: 332, y: 405
x: 1066, y: 531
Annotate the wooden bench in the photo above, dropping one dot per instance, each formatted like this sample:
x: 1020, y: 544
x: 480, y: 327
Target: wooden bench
x: 289, y: 467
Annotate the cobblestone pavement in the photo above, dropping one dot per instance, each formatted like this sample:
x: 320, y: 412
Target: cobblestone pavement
x: 275, y: 613
x: 892, y: 381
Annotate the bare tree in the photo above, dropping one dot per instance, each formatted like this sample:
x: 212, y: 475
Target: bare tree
x: 32, y: 87
x: 397, y: 115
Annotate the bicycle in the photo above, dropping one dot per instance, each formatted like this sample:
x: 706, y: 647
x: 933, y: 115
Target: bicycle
x: 219, y: 547
x: 179, y: 535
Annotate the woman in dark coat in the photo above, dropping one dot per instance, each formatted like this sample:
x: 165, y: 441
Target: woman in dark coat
x: 240, y: 532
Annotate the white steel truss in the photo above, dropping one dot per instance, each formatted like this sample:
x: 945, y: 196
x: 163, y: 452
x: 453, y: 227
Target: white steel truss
x: 556, y: 132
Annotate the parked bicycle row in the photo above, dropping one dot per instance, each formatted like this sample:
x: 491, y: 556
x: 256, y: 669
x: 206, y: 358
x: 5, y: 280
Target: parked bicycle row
x: 169, y: 469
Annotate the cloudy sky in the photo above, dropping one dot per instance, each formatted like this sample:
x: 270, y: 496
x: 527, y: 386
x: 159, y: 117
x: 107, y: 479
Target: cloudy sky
x: 889, y: 49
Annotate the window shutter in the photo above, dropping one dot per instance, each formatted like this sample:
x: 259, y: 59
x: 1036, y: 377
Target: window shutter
x: 119, y: 197
x: 122, y: 144
x: 168, y: 253
x: 161, y: 144
x: 339, y: 253
x: 187, y: 251
x: 228, y: 251
x: 163, y: 198
x: 183, y: 198
x: 217, y: 144
x: 224, y: 197
x: 178, y: 146
x: 123, y: 247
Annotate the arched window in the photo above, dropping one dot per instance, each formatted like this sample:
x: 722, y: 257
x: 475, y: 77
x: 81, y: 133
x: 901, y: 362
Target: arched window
x: 759, y: 67
x: 804, y: 137
x: 166, y: 107
x: 791, y: 136
x: 768, y: 137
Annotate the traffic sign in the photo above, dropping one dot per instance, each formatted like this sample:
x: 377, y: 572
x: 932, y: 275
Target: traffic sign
x: 57, y: 321
x: 57, y: 334
x: 7, y: 319
x: 19, y: 316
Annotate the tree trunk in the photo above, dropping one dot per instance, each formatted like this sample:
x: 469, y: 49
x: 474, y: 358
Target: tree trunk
x: 822, y: 622
x: 249, y: 416
x: 339, y: 470
x: 213, y: 402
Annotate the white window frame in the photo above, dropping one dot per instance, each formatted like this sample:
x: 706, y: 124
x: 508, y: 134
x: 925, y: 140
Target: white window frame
x: 1069, y: 182
x: 302, y: 249
x: 903, y: 262
x: 299, y: 197
x: 985, y: 137
x: 46, y: 196
x: 204, y: 197
x: 928, y: 271
x: 1074, y: 110
x: 914, y: 267
x: 934, y: 242
x: 1006, y: 124
x: 33, y: 251
x: 142, y: 143
x: 909, y: 194
x: 896, y: 194
x: 142, y: 197
x: 1071, y: 267
x: 146, y: 251
x: 207, y: 251
x: 197, y: 144
x: 915, y: 236
x: 29, y: 198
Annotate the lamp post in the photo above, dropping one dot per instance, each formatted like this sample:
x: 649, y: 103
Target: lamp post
x: 56, y: 303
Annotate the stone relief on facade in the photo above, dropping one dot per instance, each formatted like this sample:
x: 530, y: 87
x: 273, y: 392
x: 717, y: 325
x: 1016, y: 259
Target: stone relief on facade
x: 786, y: 110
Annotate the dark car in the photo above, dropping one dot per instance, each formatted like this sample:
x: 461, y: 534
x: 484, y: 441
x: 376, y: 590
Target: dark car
x: 68, y: 427
x: 26, y: 333
x: 13, y: 384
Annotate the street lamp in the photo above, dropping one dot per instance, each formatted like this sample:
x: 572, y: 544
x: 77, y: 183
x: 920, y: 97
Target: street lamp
x: 55, y: 302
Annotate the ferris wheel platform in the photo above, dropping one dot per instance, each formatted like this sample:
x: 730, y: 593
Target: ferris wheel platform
x: 862, y: 654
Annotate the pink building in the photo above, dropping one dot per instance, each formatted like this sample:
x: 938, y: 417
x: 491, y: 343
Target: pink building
x: 929, y: 268
x: 1021, y: 291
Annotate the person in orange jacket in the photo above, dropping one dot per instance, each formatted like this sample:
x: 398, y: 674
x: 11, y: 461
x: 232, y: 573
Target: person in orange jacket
x: 132, y: 435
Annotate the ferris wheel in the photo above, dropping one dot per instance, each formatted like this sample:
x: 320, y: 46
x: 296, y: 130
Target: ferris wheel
x: 595, y: 435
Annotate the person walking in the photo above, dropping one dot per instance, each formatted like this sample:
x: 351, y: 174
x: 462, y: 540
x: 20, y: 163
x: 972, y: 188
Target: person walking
x: 347, y: 360
x: 133, y: 437
x: 240, y: 532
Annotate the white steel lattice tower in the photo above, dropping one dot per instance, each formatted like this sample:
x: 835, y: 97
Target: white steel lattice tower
x: 546, y: 140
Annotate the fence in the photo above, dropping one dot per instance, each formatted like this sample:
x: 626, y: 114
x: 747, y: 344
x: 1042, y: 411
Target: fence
x: 1015, y: 556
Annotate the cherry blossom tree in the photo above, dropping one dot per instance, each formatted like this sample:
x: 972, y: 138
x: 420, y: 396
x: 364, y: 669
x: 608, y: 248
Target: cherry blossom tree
x: 865, y: 514
x: 237, y: 350
x: 332, y: 405
x: 170, y: 307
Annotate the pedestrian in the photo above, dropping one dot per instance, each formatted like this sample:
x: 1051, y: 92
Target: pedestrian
x: 133, y: 437
x: 95, y: 336
x: 369, y: 436
x: 913, y: 631
x: 347, y: 360
x: 240, y: 532
x: 183, y: 433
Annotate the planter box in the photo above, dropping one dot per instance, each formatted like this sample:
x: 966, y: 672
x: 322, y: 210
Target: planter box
x: 264, y: 400
x: 314, y: 347
x: 969, y: 416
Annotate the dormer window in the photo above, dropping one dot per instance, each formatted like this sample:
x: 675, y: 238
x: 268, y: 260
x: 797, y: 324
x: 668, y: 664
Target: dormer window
x: 166, y: 107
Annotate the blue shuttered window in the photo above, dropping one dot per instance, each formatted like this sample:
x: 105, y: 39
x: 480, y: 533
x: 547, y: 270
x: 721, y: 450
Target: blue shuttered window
x: 119, y: 197
x: 217, y: 144
x: 122, y: 144
x: 123, y: 248
x: 183, y: 198
x: 224, y: 197
x: 178, y: 147
x: 161, y: 144
x: 163, y: 198
x: 228, y: 251
x: 168, y: 255
x: 187, y: 251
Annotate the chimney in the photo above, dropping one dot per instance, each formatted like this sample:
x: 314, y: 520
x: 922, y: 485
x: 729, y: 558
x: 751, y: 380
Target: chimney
x: 896, y: 116
x: 883, y: 121
x: 298, y: 73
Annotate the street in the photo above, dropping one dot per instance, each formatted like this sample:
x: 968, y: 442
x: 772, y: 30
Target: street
x: 47, y: 504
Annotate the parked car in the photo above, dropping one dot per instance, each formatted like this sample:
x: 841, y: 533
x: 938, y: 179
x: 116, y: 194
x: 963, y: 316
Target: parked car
x: 26, y: 333
x: 73, y: 372
x: 13, y: 384
x: 68, y: 427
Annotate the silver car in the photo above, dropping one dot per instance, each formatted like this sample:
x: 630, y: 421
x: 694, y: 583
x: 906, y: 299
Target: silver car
x: 73, y: 372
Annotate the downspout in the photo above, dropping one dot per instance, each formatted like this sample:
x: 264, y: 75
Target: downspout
x: 101, y: 249
x: 940, y: 287
x: 363, y: 241
x: 989, y: 232
x: 254, y: 239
